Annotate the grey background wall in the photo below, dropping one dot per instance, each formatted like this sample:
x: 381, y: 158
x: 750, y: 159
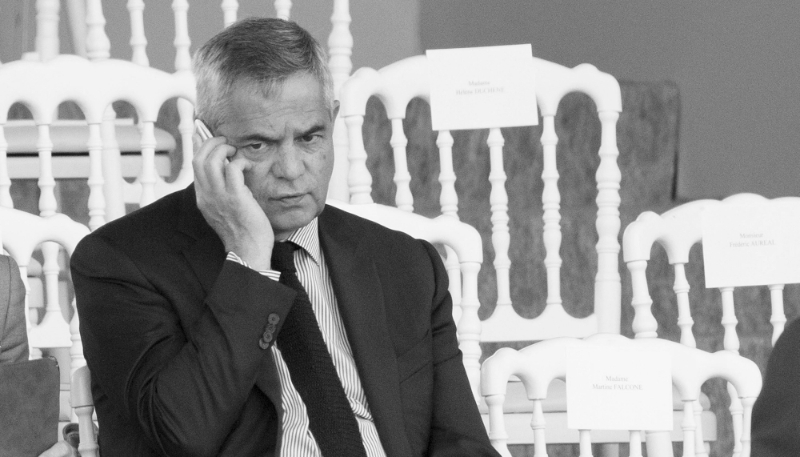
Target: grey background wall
x: 737, y: 62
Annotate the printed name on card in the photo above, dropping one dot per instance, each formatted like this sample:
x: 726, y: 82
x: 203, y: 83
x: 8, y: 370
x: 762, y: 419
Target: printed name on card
x: 486, y: 87
x: 751, y: 244
x: 618, y: 388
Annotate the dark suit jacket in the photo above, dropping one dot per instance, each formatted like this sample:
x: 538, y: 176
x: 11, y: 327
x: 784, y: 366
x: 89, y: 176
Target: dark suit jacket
x: 776, y: 414
x: 13, y: 333
x: 170, y: 332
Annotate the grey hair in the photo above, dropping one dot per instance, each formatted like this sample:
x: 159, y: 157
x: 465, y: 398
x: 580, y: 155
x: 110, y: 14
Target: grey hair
x: 260, y: 53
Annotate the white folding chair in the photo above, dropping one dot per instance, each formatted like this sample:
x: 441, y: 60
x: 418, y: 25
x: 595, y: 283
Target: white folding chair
x: 20, y: 234
x: 677, y: 231
x: 397, y: 84
x: 541, y: 363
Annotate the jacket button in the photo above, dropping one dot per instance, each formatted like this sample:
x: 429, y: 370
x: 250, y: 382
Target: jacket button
x: 263, y: 344
x: 273, y: 318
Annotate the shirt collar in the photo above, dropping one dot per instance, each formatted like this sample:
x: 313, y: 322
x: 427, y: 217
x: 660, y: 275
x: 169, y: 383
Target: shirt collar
x: 307, y: 237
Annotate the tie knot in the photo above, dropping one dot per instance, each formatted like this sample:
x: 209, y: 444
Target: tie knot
x: 283, y: 256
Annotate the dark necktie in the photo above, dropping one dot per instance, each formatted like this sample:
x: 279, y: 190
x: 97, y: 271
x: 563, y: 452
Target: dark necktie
x: 331, y: 420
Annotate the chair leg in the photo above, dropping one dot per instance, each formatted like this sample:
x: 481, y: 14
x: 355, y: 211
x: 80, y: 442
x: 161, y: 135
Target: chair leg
x: 736, y: 418
x: 700, y: 446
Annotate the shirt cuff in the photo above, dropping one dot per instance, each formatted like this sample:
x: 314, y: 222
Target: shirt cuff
x: 271, y: 274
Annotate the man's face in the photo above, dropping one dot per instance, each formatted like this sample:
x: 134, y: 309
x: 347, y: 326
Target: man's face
x: 287, y: 140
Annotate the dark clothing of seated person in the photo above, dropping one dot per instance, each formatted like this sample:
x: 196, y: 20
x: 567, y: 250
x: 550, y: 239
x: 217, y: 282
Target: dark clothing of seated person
x: 190, y: 315
x: 14, y: 333
x: 776, y: 413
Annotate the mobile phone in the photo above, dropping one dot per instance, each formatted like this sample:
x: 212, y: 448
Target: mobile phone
x: 202, y: 130
x: 205, y: 133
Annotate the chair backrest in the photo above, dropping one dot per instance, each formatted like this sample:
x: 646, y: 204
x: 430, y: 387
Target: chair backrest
x: 539, y: 364
x: 677, y: 230
x: 395, y: 86
x: 465, y: 242
x: 56, y: 326
x: 93, y: 85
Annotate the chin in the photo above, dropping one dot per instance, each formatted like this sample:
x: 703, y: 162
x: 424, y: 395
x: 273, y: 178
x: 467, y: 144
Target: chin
x: 286, y: 224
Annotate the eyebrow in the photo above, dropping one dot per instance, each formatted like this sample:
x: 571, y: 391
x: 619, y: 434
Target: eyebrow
x: 313, y: 129
x: 266, y: 139
x: 256, y: 137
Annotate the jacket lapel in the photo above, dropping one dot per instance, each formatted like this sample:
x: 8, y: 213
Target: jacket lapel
x: 205, y: 253
x: 360, y: 300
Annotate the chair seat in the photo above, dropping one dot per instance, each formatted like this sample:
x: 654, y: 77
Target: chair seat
x: 518, y: 427
x: 556, y: 401
x: 70, y: 156
x: 517, y: 410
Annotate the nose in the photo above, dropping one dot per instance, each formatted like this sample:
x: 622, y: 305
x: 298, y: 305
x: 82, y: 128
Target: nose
x: 289, y: 163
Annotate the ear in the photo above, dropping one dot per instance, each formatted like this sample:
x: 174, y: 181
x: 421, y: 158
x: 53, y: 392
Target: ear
x: 335, y: 110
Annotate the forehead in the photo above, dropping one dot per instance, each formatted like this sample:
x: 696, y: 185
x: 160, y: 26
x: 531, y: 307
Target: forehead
x: 297, y: 103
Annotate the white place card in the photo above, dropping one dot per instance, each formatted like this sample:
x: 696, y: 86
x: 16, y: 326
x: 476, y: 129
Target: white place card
x: 751, y: 245
x: 618, y: 388
x: 487, y: 87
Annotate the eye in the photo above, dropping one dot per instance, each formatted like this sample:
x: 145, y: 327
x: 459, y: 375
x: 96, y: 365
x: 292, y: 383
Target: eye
x: 311, y: 137
x: 254, y: 147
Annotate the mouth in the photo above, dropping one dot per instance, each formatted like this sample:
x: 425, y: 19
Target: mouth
x: 290, y: 199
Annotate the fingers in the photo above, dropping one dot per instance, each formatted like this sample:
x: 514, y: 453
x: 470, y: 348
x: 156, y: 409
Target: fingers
x: 234, y: 173
x: 208, y: 164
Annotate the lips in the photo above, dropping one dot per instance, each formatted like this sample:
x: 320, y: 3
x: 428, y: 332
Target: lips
x: 290, y: 199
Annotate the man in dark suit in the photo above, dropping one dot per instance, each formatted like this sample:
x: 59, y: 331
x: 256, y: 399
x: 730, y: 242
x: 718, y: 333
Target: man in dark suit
x: 776, y: 423
x: 187, y: 310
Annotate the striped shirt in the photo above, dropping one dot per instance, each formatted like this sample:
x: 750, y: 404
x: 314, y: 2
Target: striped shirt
x: 312, y: 271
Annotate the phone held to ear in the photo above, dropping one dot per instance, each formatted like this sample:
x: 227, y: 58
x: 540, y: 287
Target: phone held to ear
x: 202, y: 130
x: 205, y: 133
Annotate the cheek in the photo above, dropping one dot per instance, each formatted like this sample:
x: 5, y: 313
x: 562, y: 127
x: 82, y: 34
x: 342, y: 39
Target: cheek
x: 256, y: 178
x: 324, y: 167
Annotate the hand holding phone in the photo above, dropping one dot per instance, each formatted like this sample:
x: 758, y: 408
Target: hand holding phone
x: 227, y: 203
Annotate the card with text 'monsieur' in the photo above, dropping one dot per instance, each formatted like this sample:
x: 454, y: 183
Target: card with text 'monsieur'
x: 751, y: 244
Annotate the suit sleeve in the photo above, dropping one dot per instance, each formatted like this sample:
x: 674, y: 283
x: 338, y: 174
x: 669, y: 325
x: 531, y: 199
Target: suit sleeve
x: 457, y: 429
x: 776, y: 423
x: 13, y: 332
x: 185, y: 387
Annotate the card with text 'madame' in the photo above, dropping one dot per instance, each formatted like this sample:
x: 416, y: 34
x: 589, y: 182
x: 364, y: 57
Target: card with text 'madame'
x: 618, y: 388
x: 486, y: 87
